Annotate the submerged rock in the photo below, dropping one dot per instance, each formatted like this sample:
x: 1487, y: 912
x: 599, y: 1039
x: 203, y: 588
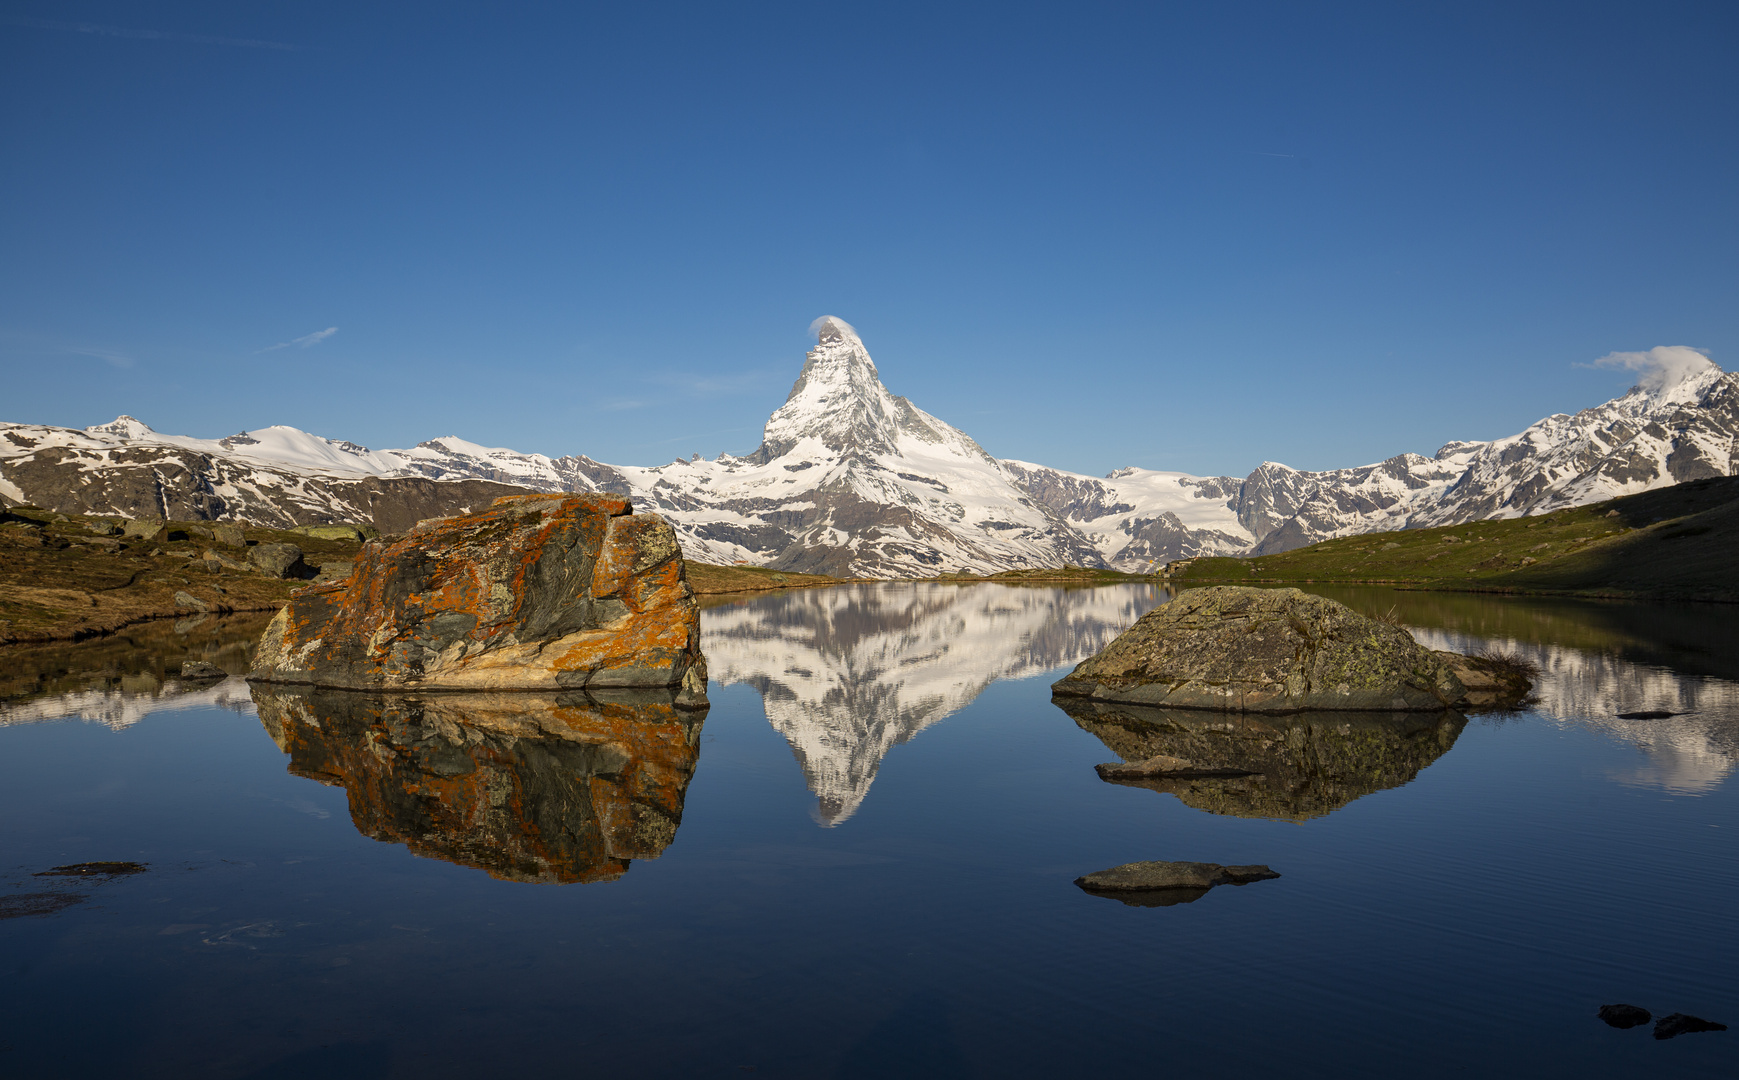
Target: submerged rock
x: 553, y: 788
x: 1161, y: 884
x: 1237, y: 649
x: 1668, y: 1027
x: 201, y: 670
x: 1286, y: 767
x: 1624, y: 1016
x: 550, y: 592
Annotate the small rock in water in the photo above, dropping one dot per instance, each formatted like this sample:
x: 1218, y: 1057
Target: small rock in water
x: 1680, y: 1024
x: 1624, y: 1016
x: 199, y: 669
x: 1161, y: 884
x: 1647, y: 714
x: 94, y: 869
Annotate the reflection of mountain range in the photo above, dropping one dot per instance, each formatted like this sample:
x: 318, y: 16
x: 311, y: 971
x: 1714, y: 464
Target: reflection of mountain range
x: 1692, y: 752
x: 1292, y: 767
x: 120, y: 679
x: 848, y: 672
x: 528, y: 787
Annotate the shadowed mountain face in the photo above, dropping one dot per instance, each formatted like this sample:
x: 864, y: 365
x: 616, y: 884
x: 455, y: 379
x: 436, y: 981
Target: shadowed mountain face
x: 527, y: 787
x: 1293, y: 767
x: 847, y: 673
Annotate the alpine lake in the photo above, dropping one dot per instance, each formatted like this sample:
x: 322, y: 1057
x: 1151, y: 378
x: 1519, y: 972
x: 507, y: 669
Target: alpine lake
x: 861, y: 860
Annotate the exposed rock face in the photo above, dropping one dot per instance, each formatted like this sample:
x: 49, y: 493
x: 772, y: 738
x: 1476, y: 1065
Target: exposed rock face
x: 1240, y: 649
x: 1161, y: 884
x: 537, y: 592
x: 1289, y: 768
x: 279, y: 560
x: 527, y: 787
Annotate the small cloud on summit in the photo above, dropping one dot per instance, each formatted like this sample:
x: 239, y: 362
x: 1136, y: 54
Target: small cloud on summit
x: 815, y: 327
x: 303, y: 342
x: 1659, y: 367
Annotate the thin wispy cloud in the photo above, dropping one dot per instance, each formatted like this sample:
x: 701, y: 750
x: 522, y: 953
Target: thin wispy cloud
x: 104, y: 30
x: 713, y: 385
x: 107, y: 356
x: 303, y: 342
x: 623, y: 406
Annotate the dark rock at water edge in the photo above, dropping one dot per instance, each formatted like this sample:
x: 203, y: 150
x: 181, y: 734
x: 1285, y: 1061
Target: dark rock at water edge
x: 1239, y: 649
x: 1624, y: 1016
x: 1676, y: 1024
x: 200, y: 670
x: 1162, y: 884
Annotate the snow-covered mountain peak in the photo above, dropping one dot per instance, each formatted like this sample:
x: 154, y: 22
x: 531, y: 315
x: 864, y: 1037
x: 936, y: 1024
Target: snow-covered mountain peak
x: 123, y: 426
x: 839, y: 401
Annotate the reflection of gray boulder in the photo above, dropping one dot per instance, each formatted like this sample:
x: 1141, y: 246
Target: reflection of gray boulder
x: 1249, y: 765
x: 1239, y: 649
x: 1162, y: 884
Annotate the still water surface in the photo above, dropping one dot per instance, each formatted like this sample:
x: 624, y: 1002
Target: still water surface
x: 860, y: 862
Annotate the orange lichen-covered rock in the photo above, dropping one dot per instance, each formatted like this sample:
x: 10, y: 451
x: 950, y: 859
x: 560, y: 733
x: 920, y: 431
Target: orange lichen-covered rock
x: 551, y: 592
x: 556, y: 788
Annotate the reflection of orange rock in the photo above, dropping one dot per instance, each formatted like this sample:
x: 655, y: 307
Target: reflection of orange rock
x: 546, y: 592
x: 528, y: 787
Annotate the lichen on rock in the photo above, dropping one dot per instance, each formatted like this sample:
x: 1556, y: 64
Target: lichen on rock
x: 1240, y: 649
x: 550, y: 592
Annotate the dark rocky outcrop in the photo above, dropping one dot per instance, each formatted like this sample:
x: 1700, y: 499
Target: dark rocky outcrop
x: 553, y: 788
x: 1290, y: 768
x: 538, y: 592
x: 1238, y: 649
x: 1162, y: 884
x: 1624, y: 1016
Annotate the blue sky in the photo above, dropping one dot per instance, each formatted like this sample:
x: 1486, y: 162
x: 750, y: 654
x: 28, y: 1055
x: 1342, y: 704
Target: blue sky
x: 1180, y: 236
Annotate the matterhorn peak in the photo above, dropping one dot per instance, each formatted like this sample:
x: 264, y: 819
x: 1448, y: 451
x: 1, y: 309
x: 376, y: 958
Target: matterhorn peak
x: 831, y: 329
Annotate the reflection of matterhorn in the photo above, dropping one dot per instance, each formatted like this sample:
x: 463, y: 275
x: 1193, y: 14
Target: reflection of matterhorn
x: 846, y: 673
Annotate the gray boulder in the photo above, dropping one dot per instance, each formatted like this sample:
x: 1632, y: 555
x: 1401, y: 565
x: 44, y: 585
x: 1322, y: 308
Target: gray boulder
x: 228, y: 533
x: 1238, y: 649
x: 142, y: 528
x: 278, y: 560
x: 185, y: 599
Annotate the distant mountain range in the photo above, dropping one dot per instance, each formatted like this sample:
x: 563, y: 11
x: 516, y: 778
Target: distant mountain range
x: 851, y: 480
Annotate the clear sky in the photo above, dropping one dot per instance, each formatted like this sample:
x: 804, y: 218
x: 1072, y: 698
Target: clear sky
x: 1187, y: 236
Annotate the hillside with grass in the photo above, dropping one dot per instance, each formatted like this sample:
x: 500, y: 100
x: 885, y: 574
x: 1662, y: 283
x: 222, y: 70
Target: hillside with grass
x: 1677, y: 543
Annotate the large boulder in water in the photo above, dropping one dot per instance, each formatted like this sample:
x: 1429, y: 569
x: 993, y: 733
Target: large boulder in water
x: 1239, y: 649
x: 539, y: 592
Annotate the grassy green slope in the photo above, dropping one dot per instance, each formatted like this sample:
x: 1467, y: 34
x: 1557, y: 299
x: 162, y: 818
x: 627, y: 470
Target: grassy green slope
x: 1680, y: 542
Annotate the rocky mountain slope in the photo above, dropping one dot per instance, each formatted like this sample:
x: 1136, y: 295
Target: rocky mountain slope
x: 852, y: 480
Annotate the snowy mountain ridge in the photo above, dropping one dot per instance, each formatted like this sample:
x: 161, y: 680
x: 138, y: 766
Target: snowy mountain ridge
x: 850, y: 479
